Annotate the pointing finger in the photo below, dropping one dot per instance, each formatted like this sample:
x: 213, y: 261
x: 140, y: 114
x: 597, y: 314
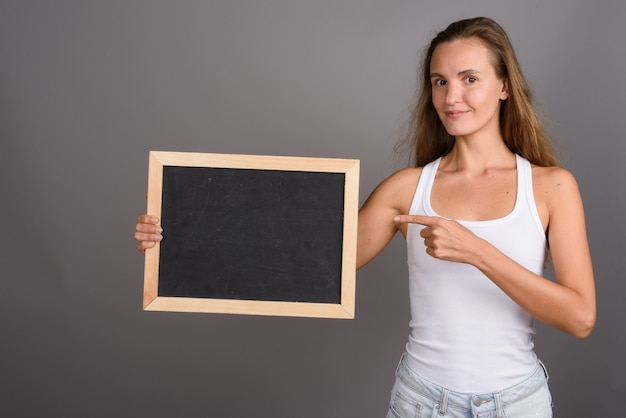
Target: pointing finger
x: 414, y: 219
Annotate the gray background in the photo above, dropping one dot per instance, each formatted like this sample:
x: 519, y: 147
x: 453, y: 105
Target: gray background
x: 87, y: 88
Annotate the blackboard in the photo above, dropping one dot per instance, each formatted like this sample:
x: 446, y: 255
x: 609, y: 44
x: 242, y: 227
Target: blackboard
x: 252, y: 234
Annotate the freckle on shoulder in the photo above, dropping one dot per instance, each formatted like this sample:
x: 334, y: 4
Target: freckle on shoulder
x: 552, y: 177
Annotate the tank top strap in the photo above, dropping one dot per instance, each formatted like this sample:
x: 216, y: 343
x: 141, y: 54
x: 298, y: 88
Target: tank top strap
x: 524, y: 174
x: 526, y: 191
x: 424, y: 185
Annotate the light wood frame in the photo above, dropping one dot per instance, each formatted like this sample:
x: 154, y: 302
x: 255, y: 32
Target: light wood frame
x: 153, y: 302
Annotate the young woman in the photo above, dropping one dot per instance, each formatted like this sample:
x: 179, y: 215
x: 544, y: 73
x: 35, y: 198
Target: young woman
x: 481, y: 208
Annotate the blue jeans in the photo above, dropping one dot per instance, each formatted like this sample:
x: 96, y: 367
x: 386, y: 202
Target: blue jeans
x: 415, y: 397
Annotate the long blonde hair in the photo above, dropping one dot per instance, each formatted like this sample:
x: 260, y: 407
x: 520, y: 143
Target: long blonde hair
x: 520, y: 126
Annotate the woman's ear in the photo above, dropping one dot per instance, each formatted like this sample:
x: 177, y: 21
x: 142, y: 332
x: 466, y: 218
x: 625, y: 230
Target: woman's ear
x: 504, y: 94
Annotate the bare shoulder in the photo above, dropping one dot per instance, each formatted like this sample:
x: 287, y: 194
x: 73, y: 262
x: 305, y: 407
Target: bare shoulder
x: 398, y: 189
x: 556, y: 191
x: 404, y: 177
x: 553, y: 182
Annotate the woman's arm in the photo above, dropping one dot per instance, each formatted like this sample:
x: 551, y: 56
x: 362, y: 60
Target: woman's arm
x: 376, y: 225
x: 570, y: 303
x: 572, y: 307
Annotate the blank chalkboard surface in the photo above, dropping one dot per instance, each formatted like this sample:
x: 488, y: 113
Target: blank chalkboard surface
x: 253, y: 235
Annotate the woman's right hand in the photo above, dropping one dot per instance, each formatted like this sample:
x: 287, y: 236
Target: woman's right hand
x: 147, y: 232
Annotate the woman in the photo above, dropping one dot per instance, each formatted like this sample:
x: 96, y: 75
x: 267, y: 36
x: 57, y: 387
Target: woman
x: 479, y: 211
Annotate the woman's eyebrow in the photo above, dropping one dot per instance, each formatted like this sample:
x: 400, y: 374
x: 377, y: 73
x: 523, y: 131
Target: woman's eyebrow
x: 461, y: 73
x: 468, y: 72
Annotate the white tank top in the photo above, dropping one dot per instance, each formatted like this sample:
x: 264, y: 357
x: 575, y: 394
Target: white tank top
x: 466, y: 334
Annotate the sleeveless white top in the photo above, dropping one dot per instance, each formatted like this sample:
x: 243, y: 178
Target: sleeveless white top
x: 466, y: 334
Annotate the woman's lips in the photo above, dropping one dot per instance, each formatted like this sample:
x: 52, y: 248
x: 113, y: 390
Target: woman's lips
x: 455, y: 114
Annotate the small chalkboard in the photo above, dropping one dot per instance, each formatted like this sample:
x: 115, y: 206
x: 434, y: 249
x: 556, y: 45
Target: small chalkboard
x: 259, y: 235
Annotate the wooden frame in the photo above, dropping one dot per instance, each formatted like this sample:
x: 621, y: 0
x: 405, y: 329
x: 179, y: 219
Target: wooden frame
x: 344, y: 308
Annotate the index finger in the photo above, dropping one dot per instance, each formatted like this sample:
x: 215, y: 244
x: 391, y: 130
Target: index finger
x: 414, y: 219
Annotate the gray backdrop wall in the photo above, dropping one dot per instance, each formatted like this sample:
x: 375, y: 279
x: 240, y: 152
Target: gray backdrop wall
x: 87, y: 88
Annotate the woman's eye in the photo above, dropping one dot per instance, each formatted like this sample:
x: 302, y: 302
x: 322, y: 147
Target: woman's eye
x: 471, y: 80
x: 440, y: 82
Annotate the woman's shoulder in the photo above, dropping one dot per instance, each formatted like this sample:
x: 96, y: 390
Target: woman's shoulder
x: 554, y: 185
x: 398, y: 189
x: 403, y: 179
x: 552, y: 177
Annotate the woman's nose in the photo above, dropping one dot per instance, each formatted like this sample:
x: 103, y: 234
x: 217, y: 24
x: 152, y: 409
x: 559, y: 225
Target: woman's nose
x: 452, y: 94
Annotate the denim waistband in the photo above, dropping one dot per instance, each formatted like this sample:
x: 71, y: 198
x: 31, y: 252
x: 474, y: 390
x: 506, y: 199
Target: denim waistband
x: 471, y: 400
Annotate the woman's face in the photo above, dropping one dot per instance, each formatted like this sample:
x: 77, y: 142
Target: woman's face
x: 466, y: 92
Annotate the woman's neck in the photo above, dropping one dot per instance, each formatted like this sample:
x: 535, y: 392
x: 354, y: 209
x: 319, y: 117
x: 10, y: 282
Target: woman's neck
x: 478, y: 155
